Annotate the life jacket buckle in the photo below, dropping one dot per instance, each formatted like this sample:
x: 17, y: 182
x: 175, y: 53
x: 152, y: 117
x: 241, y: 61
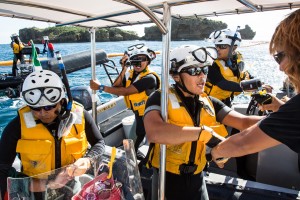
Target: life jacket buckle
x: 187, y: 168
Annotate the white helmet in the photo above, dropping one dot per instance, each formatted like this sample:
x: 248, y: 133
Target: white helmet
x: 43, y: 88
x: 188, y: 55
x: 14, y: 35
x: 141, y: 49
x: 225, y: 36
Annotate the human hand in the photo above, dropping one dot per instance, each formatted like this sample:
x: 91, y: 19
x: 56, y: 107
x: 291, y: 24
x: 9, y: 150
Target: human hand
x: 79, y: 167
x: 274, y: 106
x: 124, y: 60
x: 94, y: 84
x: 268, y: 88
x: 285, y: 99
x: 217, y: 159
x: 38, y: 185
x: 207, y: 133
x: 60, y: 180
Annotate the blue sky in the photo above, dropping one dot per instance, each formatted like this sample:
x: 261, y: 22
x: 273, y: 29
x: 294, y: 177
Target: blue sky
x: 263, y: 23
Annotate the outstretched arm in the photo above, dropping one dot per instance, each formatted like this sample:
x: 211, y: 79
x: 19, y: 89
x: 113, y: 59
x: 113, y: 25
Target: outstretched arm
x: 274, y: 106
x: 124, y: 91
x: 216, y: 78
x: 119, y: 80
x: 249, y: 141
x: 240, y: 121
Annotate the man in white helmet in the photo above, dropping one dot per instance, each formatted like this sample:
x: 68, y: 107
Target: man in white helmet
x: 190, y: 113
x: 226, y: 73
x: 134, y: 84
x: 37, y: 129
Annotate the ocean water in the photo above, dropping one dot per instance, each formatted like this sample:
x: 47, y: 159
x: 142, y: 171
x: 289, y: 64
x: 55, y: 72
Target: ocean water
x: 256, y: 56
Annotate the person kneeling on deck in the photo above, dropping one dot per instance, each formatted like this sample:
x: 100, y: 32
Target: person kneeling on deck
x: 190, y: 113
x: 37, y: 128
x: 135, y: 85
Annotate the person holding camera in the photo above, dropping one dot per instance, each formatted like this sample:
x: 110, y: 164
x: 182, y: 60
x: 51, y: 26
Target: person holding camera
x: 135, y: 85
x: 283, y: 125
x: 17, y: 47
x: 226, y: 73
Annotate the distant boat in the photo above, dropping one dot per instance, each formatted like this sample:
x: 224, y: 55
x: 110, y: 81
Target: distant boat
x: 11, y: 85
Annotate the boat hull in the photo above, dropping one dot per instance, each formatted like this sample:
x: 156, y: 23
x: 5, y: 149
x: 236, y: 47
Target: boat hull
x: 72, y: 63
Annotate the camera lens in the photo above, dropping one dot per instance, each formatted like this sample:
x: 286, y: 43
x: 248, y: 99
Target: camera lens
x: 252, y: 84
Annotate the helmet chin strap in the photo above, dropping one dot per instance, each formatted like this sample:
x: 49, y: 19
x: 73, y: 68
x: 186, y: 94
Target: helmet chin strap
x: 181, y: 85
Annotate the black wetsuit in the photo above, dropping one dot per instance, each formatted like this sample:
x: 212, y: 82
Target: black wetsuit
x: 12, y: 133
x: 188, y: 186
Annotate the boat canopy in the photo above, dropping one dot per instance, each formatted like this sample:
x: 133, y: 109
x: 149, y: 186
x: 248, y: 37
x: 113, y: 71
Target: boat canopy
x: 117, y: 13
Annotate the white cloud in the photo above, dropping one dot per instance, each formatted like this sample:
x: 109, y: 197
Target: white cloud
x: 263, y: 23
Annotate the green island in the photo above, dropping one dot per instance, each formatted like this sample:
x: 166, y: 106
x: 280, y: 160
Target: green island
x: 194, y: 28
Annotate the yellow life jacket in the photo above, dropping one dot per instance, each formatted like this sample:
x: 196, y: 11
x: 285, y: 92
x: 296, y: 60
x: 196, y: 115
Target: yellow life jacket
x: 176, y: 155
x: 137, y: 102
x: 37, y: 145
x: 17, y: 48
x: 214, y: 90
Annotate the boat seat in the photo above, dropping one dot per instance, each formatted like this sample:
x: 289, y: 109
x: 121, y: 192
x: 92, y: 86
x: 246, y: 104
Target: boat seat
x: 113, y: 123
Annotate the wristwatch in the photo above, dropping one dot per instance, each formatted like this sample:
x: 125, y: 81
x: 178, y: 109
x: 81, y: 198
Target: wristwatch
x: 101, y: 88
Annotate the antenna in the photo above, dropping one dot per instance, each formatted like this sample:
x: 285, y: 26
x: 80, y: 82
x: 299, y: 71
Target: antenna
x: 66, y: 83
x: 233, y: 39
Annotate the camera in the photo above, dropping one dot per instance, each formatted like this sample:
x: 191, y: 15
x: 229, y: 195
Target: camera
x: 262, y: 97
x: 132, y: 62
x: 259, y: 95
x: 127, y: 62
x: 250, y: 85
x: 135, y: 62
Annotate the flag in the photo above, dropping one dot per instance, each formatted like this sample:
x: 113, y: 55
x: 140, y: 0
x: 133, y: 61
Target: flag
x: 34, y: 58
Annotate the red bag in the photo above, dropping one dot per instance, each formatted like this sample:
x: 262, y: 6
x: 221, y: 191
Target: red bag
x: 100, y: 188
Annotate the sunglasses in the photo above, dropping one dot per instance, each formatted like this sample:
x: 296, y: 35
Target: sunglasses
x: 279, y: 57
x: 46, y: 108
x: 195, y: 71
x: 222, y: 46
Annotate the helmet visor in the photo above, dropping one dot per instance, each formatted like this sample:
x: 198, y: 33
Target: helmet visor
x: 202, y: 53
x: 33, y: 96
x: 216, y: 34
x: 136, y: 46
